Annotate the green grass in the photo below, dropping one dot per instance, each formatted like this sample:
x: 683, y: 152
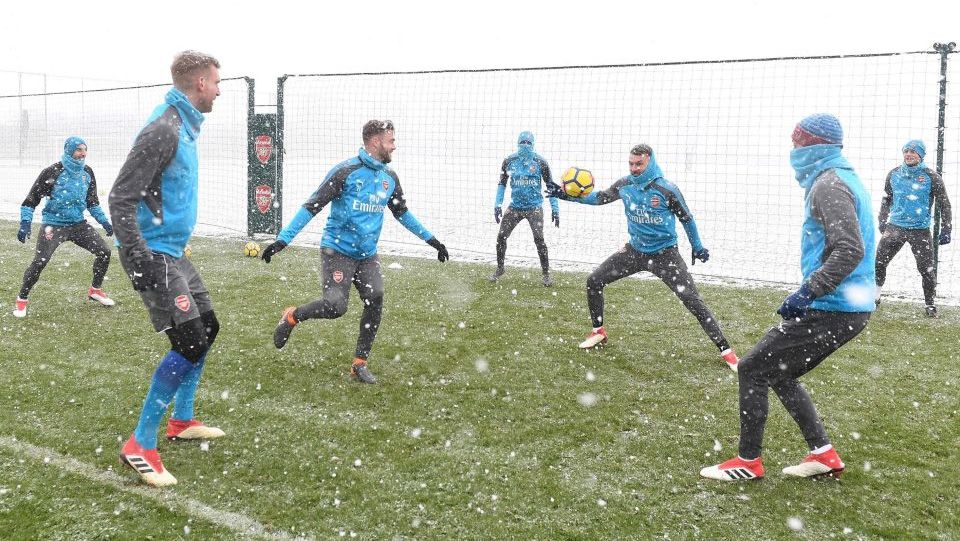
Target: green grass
x: 476, y: 430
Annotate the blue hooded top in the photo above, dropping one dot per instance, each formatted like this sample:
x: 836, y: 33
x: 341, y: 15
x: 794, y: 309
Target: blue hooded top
x: 837, y: 244
x: 358, y: 190
x: 71, y: 187
x: 910, y: 191
x: 525, y: 169
x: 651, y: 205
x: 154, y: 199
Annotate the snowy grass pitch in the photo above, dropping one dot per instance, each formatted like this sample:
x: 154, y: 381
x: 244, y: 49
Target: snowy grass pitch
x: 488, y: 423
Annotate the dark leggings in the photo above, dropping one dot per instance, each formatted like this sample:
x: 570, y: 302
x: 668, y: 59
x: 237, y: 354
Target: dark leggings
x: 666, y: 265
x: 893, y: 240
x: 786, y: 352
x: 50, y: 237
x: 337, y: 273
x: 510, y: 220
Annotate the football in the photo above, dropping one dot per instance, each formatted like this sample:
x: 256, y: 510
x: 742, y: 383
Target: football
x: 251, y: 249
x: 577, y: 182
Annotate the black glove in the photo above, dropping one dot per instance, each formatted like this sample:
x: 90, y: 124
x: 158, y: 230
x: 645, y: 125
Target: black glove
x: 108, y: 228
x: 944, y: 237
x: 147, y: 272
x: 442, y: 254
x: 552, y: 189
x: 881, y: 227
x: 555, y: 218
x: 24, y: 233
x: 273, y: 250
x: 703, y: 255
x: 497, y: 214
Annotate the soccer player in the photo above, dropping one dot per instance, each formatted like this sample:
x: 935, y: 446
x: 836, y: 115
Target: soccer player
x: 909, y: 193
x: 154, y: 209
x: 651, y: 204
x: 524, y: 169
x: 72, y: 188
x: 357, y: 190
x: 831, y: 307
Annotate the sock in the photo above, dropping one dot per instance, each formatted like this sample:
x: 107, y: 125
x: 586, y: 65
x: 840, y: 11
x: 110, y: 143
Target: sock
x: 166, y: 379
x: 821, y: 450
x: 748, y: 459
x: 183, y: 399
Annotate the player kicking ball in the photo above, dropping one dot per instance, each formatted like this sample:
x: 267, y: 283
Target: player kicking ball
x: 652, y: 205
x: 357, y: 190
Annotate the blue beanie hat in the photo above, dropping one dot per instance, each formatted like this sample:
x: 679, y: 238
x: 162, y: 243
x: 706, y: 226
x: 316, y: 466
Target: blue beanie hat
x: 917, y: 146
x: 525, y: 137
x: 824, y: 127
x: 71, y: 145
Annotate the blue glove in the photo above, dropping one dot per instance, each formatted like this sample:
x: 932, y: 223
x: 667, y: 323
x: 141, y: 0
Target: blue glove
x: 24, y: 233
x: 497, y: 213
x: 944, y: 237
x: 555, y: 218
x: 108, y: 228
x: 703, y: 255
x: 795, y: 306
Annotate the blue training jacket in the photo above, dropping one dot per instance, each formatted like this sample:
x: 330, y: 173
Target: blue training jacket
x: 525, y: 169
x: 358, y: 190
x: 153, y: 202
x: 837, y: 244
x: 651, y: 204
x: 71, y: 187
x: 908, y: 195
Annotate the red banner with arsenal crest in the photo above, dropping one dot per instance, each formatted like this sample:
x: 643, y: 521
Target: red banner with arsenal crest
x: 264, y: 177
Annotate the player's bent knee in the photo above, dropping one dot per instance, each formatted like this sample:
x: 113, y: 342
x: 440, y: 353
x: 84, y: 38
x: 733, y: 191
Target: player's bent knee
x: 211, y: 326
x: 189, y: 339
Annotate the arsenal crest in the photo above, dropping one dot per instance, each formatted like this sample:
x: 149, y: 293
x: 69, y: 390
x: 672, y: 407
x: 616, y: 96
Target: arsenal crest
x: 182, y: 302
x: 263, y: 196
x: 655, y: 201
x: 337, y: 276
x: 386, y: 184
x: 263, y: 145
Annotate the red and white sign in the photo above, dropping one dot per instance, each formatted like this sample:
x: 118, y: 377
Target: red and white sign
x: 263, y: 195
x: 182, y: 302
x: 337, y: 276
x: 263, y: 145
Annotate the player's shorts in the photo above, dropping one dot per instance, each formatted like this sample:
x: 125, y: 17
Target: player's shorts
x: 180, y: 298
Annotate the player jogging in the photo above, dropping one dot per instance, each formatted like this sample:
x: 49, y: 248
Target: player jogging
x: 524, y: 169
x: 831, y: 307
x: 154, y: 209
x: 72, y: 188
x: 652, y: 205
x: 909, y: 193
x: 358, y: 190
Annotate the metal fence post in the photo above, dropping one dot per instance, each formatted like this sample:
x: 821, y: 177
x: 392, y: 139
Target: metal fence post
x: 944, y: 49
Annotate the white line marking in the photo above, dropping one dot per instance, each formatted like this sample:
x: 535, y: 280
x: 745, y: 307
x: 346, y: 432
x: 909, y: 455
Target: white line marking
x: 168, y: 498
